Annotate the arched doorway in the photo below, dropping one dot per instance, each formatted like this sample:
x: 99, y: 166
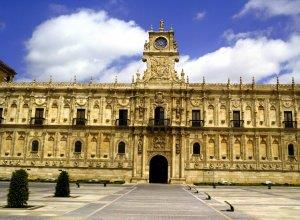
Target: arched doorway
x: 158, y: 169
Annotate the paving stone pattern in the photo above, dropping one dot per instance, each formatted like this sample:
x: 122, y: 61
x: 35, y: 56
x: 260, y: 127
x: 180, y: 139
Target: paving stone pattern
x: 156, y: 201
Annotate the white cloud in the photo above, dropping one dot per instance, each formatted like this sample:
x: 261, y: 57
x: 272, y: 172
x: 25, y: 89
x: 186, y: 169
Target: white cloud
x: 200, y: 15
x: 230, y: 36
x: 269, y: 8
x: 92, y: 44
x: 124, y: 74
x: 85, y: 43
x: 260, y: 57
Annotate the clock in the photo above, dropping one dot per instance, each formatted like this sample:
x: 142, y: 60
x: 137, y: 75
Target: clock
x: 160, y: 42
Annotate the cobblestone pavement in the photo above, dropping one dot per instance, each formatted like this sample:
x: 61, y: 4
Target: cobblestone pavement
x: 156, y: 201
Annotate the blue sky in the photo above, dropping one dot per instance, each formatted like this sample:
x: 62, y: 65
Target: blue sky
x: 230, y: 38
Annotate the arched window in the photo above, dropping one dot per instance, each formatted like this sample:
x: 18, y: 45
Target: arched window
x: 121, y: 148
x: 291, y: 151
x: 78, y: 146
x: 196, y: 148
x: 35, y: 146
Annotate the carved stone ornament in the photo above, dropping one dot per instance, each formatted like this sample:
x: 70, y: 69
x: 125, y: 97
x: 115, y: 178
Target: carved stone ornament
x: 2, y: 100
x: 123, y: 102
x: 109, y: 100
x: 40, y: 100
x: 158, y: 143
x: 81, y: 101
x: 140, y: 146
x: 195, y: 102
x: 177, y: 148
x: 236, y: 103
x: 160, y: 68
x: 159, y: 97
x: 287, y: 103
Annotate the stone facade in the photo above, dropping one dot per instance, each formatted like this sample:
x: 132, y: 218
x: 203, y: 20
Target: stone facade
x: 207, y: 132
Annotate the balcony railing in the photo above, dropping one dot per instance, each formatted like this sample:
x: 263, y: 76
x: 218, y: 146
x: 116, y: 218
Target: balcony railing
x: 122, y: 122
x: 237, y: 123
x: 79, y: 121
x: 290, y: 124
x: 37, y: 121
x: 159, y: 123
x: 1, y: 120
x: 197, y: 123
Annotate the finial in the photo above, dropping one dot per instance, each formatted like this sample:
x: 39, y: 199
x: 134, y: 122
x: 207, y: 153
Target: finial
x: 91, y: 80
x: 132, y: 80
x: 203, y: 79
x: 293, y: 81
x: 34, y: 80
x: 75, y: 78
x: 241, y: 81
x: 138, y: 75
x: 151, y: 27
x: 50, y: 79
x: 161, y: 25
x: 253, y: 80
x: 182, y: 75
x: 228, y: 81
x: 171, y: 28
x: 277, y: 80
x: 116, y: 78
x: 187, y: 79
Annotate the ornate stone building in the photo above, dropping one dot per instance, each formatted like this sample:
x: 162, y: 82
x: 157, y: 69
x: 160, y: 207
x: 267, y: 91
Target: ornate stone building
x: 159, y: 128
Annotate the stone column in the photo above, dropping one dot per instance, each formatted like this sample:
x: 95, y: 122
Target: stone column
x: 173, y: 158
x: 217, y: 146
x: 182, y: 153
x: 112, y: 146
x: 99, y: 142
x: 204, y: 148
x: 230, y: 147
x: 134, y: 155
x: 144, y: 157
x: 1, y: 142
x: 43, y: 145
x: 269, y: 146
x: 12, y: 150
x: 243, y: 147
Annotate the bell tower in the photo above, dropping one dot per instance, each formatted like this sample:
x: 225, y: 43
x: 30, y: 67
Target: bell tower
x: 160, y: 54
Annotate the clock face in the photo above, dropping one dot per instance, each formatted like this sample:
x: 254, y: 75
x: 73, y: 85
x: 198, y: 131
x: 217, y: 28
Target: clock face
x: 161, y: 42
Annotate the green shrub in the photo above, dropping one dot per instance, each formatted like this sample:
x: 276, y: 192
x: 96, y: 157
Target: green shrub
x: 62, y: 188
x: 18, y: 193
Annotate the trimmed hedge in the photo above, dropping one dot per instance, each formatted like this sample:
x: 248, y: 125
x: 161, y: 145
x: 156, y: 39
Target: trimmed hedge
x: 62, y: 188
x: 18, y: 193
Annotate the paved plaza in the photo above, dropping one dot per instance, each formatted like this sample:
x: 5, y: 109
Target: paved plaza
x: 156, y: 201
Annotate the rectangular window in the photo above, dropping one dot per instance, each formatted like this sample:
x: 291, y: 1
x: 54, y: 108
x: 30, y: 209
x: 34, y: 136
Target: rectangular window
x: 39, y: 113
x: 81, y: 113
x: 236, y: 119
x: 39, y: 116
x: 196, y: 118
x: 80, y: 117
x: 123, y: 116
x: 159, y: 116
x: 288, y: 119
